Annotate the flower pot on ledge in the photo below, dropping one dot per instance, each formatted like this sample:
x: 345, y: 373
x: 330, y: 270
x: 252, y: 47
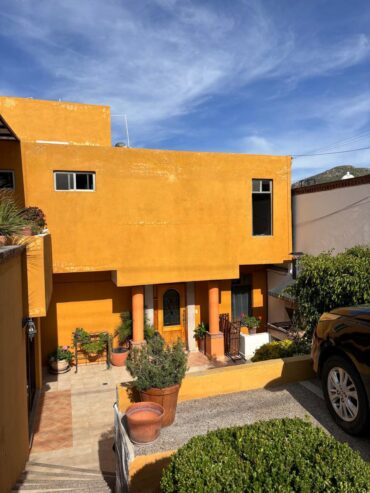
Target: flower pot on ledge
x: 167, y: 398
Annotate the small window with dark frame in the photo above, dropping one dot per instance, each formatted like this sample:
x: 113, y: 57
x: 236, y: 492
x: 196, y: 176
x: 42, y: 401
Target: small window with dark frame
x: 7, y: 179
x: 74, y: 181
x: 262, y: 207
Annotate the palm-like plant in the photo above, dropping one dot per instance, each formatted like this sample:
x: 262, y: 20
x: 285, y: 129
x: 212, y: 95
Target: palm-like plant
x: 11, y: 220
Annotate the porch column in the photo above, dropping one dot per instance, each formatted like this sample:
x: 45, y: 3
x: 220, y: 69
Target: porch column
x: 214, y: 338
x: 137, y: 315
x: 149, y: 306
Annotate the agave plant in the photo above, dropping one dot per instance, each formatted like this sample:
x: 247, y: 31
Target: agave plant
x: 11, y: 220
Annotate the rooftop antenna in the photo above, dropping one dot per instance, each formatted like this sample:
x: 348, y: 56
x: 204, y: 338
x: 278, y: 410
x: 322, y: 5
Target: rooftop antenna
x: 125, y: 128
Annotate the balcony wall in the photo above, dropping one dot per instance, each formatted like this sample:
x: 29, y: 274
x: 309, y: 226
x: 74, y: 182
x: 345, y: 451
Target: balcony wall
x: 39, y: 275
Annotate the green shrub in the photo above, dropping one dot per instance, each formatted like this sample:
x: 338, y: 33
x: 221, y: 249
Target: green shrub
x: 157, y: 365
x: 328, y: 281
x: 281, y: 349
x: 279, y: 456
x: 124, y: 331
x: 35, y: 218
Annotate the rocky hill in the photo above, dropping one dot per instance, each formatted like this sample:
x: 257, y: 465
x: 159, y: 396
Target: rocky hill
x: 332, y: 174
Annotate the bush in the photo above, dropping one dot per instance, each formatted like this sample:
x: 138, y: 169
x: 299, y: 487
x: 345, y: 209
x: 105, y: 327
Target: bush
x: 11, y: 220
x: 157, y: 365
x: 286, y: 455
x: 124, y: 331
x: 35, y: 218
x: 282, y: 349
x: 328, y: 281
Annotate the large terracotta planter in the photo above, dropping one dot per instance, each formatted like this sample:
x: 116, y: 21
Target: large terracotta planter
x: 118, y: 356
x: 167, y: 398
x: 59, y: 366
x: 201, y: 344
x: 144, y: 422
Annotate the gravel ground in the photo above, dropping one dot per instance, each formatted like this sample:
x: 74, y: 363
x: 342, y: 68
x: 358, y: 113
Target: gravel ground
x: 197, y: 417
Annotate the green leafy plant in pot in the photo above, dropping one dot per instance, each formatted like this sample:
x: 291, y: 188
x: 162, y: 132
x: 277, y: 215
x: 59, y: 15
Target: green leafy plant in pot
x: 92, y: 347
x: 251, y: 322
x: 123, y: 333
x: 158, y: 370
x: 60, y: 360
x: 200, y: 336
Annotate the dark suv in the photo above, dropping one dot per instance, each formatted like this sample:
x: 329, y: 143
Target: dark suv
x: 341, y: 357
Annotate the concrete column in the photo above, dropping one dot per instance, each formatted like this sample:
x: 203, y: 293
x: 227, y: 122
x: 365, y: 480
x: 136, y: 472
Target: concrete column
x: 137, y: 315
x: 213, y: 307
x: 190, y: 315
x: 149, y: 306
x: 214, y: 338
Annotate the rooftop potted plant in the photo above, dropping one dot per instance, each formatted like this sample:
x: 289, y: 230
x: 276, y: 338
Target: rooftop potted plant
x: 158, y: 370
x: 200, y: 336
x: 35, y: 220
x: 251, y: 322
x: 11, y: 220
x: 60, y: 360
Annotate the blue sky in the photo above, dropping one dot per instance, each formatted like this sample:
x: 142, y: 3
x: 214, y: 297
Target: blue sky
x: 280, y: 77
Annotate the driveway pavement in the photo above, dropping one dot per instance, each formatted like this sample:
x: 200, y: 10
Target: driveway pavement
x: 76, y: 438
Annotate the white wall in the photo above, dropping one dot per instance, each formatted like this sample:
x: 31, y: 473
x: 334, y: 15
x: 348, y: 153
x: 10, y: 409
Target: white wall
x: 331, y: 219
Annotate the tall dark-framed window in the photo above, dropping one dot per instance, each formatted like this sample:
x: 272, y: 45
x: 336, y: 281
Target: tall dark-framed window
x: 171, y: 307
x: 262, y: 207
x: 7, y: 179
x: 241, y: 297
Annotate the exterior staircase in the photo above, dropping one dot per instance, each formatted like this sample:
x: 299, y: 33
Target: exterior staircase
x: 42, y: 477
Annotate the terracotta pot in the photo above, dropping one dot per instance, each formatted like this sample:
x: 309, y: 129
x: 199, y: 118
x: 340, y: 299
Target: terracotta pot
x: 118, y: 356
x: 3, y: 240
x: 167, y: 398
x: 252, y: 331
x: 27, y: 231
x: 59, y: 366
x: 144, y: 421
x: 201, y: 344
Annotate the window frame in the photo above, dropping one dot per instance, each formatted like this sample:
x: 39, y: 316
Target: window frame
x: 11, y: 171
x: 260, y: 192
x: 74, y: 173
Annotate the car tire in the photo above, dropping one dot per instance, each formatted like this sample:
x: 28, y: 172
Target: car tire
x: 345, y: 395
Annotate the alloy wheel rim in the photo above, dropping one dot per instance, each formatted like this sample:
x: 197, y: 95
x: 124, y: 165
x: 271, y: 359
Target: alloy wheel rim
x: 343, y: 394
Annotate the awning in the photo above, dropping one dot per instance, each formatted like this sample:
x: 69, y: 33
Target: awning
x: 279, y: 290
x: 6, y: 133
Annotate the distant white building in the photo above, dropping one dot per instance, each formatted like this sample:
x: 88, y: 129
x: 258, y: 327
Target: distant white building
x: 327, y: 216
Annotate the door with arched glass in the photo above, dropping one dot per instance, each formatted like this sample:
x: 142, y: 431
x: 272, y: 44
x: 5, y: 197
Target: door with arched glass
x: 171, y: 312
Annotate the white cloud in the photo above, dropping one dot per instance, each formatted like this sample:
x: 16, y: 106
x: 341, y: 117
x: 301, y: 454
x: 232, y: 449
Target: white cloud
x: 156, y: 60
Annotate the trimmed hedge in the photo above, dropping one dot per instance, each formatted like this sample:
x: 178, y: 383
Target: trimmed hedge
x: 281, y: 349
x: 282, y: 455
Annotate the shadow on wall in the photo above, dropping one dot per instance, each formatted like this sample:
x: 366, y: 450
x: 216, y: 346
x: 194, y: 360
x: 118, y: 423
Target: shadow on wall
x: 147, y: 479
x: 107, y: 460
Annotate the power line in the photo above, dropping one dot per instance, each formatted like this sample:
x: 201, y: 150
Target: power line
x: 333, y: 152
x: 341, y: 142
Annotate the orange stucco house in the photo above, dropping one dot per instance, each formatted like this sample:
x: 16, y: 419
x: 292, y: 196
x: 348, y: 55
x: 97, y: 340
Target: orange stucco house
x: 179, y: 236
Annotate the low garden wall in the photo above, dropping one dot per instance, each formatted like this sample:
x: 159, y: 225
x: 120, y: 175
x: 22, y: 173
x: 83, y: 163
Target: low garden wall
x: 230, y: 379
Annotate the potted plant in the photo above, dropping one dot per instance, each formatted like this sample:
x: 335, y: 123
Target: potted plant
x: 92, y: 347
x: 35, y: 220
x: 200, y: 336
x: 123, y: 333
x: 11, y: 220
x: 251, y: 322
x: 60, y: 360
x: 158, y: 371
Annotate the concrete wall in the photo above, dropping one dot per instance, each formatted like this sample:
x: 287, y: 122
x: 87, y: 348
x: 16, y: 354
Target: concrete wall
x: 158, y: 216
x: 337, y: 219
x: 13, y: 382
x: 33, y: 120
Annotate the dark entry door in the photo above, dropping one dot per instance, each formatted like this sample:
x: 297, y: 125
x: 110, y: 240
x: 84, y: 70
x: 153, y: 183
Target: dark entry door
x: 241, y: 301
x: 31, y: 371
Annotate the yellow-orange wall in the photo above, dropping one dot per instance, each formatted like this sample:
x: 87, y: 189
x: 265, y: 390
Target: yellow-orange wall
x: 13, y: 383
x: 33, y: 119
x: 87, y: 300
x: 158, y: 216
x: 11, y: 159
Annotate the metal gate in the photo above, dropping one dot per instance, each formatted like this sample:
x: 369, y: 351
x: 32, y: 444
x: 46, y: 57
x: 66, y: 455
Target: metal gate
x: 231, y: 331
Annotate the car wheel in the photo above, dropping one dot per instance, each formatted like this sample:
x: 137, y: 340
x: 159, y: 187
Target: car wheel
x: 345, y: 395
